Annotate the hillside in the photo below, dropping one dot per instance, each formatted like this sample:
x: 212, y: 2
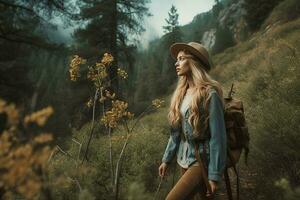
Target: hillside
x: 265, y: 72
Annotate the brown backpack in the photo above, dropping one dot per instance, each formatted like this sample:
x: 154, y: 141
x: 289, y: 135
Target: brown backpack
x: 237, y: 138
x: 236, y: 129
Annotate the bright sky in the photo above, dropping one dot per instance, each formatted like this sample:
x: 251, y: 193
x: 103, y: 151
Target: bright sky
x: 186, y: 9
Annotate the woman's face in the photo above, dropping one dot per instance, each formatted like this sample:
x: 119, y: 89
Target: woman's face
x: 182, y: 65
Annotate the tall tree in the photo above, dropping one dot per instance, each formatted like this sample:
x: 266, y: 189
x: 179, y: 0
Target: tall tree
x: 111, y: 25
x: 173, y: 34
x: 27, y: 80
x: 23, y: 29
x: 172, y: 21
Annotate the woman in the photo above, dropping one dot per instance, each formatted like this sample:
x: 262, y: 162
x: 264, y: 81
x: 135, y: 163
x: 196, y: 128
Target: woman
x: 197, y: 126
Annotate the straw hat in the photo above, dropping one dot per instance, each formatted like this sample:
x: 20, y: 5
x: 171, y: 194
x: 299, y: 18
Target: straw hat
x: 196, y: 49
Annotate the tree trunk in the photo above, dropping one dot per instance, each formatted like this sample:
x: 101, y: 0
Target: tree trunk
x: 113, y: 47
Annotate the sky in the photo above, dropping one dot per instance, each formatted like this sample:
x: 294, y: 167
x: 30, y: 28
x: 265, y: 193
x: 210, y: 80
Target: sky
x: 186, y: 9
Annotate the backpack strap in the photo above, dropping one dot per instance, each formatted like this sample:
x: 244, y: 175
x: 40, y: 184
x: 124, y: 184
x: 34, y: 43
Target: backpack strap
x: 227, y: 183
x: 228, y: 186
x: 227, y: 180
x: 237, y: 183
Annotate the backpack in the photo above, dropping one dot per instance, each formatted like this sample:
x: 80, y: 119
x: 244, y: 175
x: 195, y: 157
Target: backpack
x: 236, y: 129
x: 237, y: 137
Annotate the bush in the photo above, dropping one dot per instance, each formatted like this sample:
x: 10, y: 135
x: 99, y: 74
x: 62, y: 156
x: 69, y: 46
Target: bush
x: 258, y: 11
x: 286, y: 11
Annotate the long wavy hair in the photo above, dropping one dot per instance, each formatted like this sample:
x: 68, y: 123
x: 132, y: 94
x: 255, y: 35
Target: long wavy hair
x: 203, y: 83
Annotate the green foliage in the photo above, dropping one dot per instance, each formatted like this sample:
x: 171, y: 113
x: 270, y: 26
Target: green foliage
x: 137, y: 191
x: 286, y: 11
x: 111, y: 26
x: 289, y: 193
x: 258, y: 11
x: 201, y: 23
x: 224, y: 39
x: 33, y: 67
x: 139, y: 175
x: 216, y: 9
x: 22, y: 21
x: 85, y: 195
x: 266, y: 76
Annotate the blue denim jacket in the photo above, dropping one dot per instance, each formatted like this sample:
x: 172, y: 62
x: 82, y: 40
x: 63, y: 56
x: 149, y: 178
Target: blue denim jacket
x: 216, y: 145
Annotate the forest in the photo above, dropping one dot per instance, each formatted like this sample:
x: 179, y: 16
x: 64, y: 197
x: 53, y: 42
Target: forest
x: 83, y: 106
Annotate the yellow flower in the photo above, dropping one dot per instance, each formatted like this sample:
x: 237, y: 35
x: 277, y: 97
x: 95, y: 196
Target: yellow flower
x: 2, y: 105
x: 74, y: 67
x: 157, y: 103
x: 5, y: 143
x: 122, y: 73
x: 30, y: 188
x: 11, y: 112
x: 22, y: 161
x: 100, y: 65
x: 117, y: 112
x: 89, y: 103
x: 102, y: 99
x: 39, y: 117
x: 107, y: 59
x: 43, y: 138
x: 109, y: 95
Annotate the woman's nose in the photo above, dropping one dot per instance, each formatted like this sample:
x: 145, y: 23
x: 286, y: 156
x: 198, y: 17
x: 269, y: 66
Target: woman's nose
x: 176, y: 64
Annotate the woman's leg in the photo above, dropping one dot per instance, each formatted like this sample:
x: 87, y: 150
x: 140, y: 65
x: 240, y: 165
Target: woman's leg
x: 189, y: 186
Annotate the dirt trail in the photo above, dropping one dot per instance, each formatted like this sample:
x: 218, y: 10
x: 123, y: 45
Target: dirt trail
x: 247, y: 184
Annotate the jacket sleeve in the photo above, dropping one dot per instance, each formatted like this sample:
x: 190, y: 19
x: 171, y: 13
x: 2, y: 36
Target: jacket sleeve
x: 218, y: 140
x: 172, y: 146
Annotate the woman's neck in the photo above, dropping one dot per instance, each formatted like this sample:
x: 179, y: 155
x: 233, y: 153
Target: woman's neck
x: 191, y: 84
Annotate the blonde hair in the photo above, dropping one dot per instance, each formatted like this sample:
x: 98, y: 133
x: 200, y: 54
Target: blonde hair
x: 203, y: 83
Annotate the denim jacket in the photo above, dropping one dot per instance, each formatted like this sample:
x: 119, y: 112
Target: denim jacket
x: 215, y: 144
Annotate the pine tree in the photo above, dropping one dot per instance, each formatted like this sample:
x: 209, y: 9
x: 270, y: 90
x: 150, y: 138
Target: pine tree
x: 172, y: 21
x: 32, y: 67
x: 173, y: 34
x: 23, y: 24
x: 111, y: 26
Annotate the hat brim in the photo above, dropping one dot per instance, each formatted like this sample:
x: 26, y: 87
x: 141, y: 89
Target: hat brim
x: 176, y: 47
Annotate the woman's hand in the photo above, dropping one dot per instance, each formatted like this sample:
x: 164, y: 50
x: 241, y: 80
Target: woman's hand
x: 213, y: 188
x: 162, y: 169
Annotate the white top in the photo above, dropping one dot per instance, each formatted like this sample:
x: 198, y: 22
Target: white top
x: 183, y: 108
x: 185, y: 104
